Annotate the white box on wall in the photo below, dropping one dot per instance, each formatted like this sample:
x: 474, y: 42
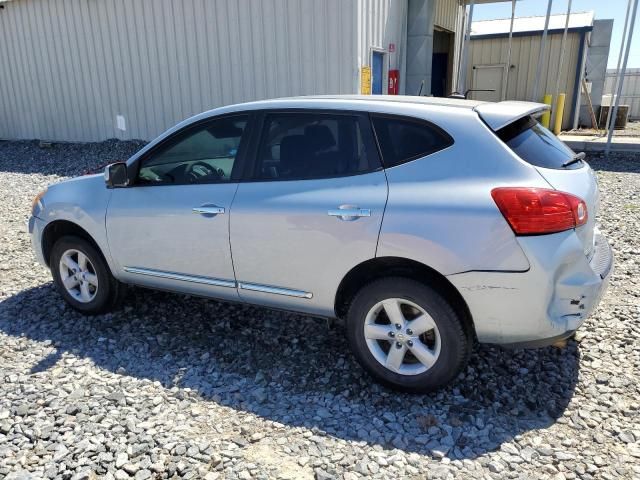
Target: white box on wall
x: 121, y: 124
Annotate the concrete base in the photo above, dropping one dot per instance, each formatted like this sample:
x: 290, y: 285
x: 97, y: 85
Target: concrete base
x: 599, y: 144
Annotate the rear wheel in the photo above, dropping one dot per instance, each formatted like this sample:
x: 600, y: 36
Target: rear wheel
x: 406, y: 335
x: 82, y: 276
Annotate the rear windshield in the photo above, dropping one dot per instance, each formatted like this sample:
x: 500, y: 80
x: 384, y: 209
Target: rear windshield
x: 536, y: 145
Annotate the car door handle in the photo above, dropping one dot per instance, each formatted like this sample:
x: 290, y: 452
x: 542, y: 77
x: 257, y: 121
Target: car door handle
x: 349, y: 212
x: 208, y: 210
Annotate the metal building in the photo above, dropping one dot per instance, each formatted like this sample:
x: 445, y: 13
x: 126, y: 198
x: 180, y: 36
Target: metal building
x: 487, y: 64
x: 88, y: 70
x: 630, y: 90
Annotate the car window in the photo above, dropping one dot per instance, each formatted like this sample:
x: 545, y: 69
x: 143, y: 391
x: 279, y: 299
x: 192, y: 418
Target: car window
x: 311, y: 145
x: 536, y: 145
x: 404, y: 139
x: 202, y: 154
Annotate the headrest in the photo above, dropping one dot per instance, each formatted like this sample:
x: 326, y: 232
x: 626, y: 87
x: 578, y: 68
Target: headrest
x: 319, y: 136
x: 291, y: 148
x: 292, y: 144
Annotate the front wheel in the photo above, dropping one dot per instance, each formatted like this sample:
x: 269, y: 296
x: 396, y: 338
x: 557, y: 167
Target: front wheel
x: 406, y: 335
x: 82, y: 276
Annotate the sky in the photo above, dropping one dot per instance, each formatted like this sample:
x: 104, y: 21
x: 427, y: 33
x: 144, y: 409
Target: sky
x: 615, y: 9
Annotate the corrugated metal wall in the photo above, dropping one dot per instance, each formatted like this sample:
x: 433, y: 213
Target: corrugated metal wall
x: 446, y: 14
x: 381, y: 23
x: 524, y: 57
x: 596, y: 68
x: 630, y: 90
x: 70, y: 66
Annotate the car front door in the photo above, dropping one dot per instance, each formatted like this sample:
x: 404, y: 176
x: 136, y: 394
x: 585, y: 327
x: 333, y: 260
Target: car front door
x: 170, y: 228
x: 310, y: 209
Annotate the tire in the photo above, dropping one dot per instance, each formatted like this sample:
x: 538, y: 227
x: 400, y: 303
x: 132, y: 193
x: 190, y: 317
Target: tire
x: 103, y: 292
x: 444, y: 346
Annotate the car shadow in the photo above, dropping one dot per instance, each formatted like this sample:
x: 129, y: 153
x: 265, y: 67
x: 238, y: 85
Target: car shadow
x: 298, y: 370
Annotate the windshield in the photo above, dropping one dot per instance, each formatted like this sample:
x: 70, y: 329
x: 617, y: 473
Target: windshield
x: 536, y: 145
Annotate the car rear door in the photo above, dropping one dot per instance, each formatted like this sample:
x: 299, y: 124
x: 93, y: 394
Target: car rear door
x: 170, y: 228
x: 310, y: 209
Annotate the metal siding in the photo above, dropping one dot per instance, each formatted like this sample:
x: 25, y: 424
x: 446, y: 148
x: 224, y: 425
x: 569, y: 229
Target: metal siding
x: 379, y: 23
x: 490, y: 51
x: 32, y: 102
x: 446, y: 14
x: 17, y: 77
x: 630, y: 90
x: 44, y: 94
x: 377, y: 30
x: 8, y: 114
x: 71, y: 66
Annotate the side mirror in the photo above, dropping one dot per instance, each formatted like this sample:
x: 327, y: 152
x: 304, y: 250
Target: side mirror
x: 115, y: 175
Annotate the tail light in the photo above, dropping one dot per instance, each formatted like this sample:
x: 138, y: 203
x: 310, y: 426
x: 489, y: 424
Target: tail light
x: 536, y: 211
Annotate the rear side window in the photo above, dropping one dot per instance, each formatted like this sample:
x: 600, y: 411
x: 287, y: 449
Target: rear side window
x: 536, y: 145
x: 313, y: 145
x: 404, y: 139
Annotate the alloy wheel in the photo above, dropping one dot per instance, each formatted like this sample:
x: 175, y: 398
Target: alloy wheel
x: 402, y: 336
x: 78, y: 275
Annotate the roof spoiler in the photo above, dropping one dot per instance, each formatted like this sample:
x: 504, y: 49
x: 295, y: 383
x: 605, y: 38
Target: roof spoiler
x: 500, y: 114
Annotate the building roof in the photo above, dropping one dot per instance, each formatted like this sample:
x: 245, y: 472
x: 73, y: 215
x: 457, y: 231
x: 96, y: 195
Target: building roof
x: 578, y: 20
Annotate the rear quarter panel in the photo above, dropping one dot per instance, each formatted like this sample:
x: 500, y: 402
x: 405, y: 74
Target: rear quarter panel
x: 440, y: 211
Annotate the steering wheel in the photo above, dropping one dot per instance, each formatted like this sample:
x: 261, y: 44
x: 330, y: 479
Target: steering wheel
x: 200, y: 170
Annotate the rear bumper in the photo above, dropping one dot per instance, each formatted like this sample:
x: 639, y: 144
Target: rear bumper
x: 543, y: 342
x: 545, y: 304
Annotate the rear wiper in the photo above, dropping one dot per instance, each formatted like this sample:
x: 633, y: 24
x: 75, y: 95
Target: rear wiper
x: 578, y: 157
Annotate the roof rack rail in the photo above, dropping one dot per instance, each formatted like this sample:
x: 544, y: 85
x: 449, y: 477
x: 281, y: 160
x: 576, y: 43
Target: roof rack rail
x: 466, y: 94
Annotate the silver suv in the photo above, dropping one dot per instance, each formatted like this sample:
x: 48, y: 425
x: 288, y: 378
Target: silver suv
x: 427, y: 224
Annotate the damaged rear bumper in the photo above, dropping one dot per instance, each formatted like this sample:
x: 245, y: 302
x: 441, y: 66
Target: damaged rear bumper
x: 544, y: 304
x: 543, y: 342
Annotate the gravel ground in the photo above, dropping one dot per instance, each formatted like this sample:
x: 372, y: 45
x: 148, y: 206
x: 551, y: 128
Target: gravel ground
x: 173, y: 386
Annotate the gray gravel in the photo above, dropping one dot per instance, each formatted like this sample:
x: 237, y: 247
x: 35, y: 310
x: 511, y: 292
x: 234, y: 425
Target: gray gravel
x: 173, y: 386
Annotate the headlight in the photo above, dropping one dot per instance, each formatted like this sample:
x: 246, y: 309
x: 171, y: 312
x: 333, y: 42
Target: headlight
x: 37, y: 205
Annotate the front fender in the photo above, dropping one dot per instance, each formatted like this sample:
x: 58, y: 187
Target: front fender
x: 82, y: 201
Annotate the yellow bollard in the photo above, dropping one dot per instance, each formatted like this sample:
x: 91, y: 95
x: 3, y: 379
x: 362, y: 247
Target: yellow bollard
x: 557, y: 124
x: 546, y: 117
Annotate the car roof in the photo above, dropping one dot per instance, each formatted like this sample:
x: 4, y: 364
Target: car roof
x: 358, y: 101
x: 495, y: 115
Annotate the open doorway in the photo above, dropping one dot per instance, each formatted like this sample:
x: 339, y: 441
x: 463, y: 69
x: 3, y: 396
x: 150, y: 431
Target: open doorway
x: 442, y: 62
x: 377, y: 71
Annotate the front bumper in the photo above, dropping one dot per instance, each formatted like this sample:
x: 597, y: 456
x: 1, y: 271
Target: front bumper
x: 544, y: 304
x: 35, y: 228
